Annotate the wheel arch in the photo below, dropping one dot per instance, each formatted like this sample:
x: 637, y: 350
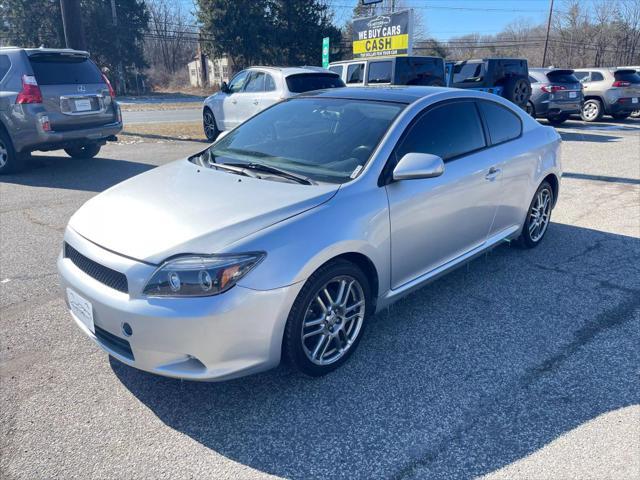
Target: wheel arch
x: 367, y: 266
x: 555, y: 185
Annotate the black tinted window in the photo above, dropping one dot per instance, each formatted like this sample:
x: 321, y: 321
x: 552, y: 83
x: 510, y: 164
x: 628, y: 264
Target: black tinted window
x: 503, y: 124
x: 60, y: 70
x: 562, y: 76
x: 379, y: 72
x: 355, y: 73
x: 313, y: 81
x: 448, y: 131
x: 596, y: 76
x: 5, y: 64
x: 468, y: 72
x: 622, y: 76
x: 419, y: 71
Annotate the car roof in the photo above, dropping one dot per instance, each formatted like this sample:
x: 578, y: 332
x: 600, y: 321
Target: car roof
x: 397, y: 94
x: 42, y: 50
x: 380, y: 58
x: 287, y: 71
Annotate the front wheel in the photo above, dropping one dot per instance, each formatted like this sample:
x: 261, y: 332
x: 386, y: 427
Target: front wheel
x: 592, y: 110
x: 327, y: 318
x: 538, y: 217
x: 84, y: 151
x: 209, y: 124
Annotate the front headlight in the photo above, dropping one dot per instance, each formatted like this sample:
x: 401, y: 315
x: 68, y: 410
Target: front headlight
x: 200, y: 275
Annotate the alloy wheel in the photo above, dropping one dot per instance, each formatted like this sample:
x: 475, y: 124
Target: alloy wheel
x: 333, y: 320
x: 520, y: 92
x: 210, y: 128
x: 540, y: 214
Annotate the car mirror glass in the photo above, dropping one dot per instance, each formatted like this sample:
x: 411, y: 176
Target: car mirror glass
x: 418, y: 165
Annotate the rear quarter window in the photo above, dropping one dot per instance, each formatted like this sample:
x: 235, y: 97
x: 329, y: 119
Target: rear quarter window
x: 61, y: 70
x: 306, y: 82
x: 503, y: 124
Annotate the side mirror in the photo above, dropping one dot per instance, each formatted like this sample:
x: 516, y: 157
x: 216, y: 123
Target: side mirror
x: 418, y: 165
x: 224, y: 88
x: 222, y: 134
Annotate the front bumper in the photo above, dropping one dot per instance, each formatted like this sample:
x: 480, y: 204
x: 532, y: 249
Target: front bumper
x: 208, y: 338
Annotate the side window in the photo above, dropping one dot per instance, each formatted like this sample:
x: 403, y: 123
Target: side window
x: 269, y: 83
x: 5, y: 64
x: 582, y: 76
x: 355, y: 73
x: 468, y: 73
x: 448, y: 130
x: 503, y: 124
x: 596, y: 77
x: 337, y: 69
x: 255, y: 83
x: 379, y: 72
x: 237, y: 84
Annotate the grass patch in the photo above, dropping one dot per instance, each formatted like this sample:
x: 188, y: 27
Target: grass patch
x: 162, y: 132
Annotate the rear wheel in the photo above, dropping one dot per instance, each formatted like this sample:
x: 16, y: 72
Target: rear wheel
x: 620, y: 116
x: 211, y: 130
x: 592, y: 110
x: 327, y: 319
x: 10, y: 160
x: 538, y: 217
x: 84, y: 151
x: 558, y: 119
x: 517, y: 90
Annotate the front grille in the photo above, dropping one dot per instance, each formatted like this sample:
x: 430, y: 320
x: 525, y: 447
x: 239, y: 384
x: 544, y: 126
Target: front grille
x: 105, y: 275
x: 112, y: 342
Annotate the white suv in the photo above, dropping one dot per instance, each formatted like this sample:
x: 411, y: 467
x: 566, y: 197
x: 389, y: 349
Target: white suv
x: 256, y: 88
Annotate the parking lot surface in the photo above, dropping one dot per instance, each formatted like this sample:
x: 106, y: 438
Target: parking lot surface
x: 525, y: 364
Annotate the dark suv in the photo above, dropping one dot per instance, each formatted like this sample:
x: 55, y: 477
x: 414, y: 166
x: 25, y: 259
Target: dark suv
x: 507, y: 77
x: 53, y: 99
x: 413, y: 70
x: 557, y: 94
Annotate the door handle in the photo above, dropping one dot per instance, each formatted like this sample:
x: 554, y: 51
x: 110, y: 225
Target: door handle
x: 256, y: 102
x: 492, y: 173
x: 234, y: 101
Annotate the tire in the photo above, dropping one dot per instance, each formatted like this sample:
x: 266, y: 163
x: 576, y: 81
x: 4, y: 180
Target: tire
x: 592, y: 110
x: 84, y: 152
x: 620, y: 116
x: 10, y: 160
x: 209, y: 125
x: 558, y: 119
x: 532, y: 235
x: 518, y: 91
x: 331, y: 339
x: 530, y: 109
x: 635, y: 114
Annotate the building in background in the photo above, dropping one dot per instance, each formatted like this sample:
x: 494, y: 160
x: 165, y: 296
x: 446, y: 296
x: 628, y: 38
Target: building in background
x: 218, y: 71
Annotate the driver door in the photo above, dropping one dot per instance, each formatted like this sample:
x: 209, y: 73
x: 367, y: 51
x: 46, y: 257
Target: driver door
x: 228, y: 114
x: 436, y: 220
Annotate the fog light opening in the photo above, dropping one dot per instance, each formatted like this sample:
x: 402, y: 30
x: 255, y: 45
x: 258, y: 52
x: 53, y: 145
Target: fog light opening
x: 127, y: 330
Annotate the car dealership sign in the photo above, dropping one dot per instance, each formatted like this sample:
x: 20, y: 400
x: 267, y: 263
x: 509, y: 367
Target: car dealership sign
x: 382, y: 35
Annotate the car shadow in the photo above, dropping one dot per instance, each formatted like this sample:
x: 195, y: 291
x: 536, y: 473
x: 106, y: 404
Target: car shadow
x: 587, y: 137
x: 94, y: 175
x: 155, y: 136
x: 464, y: 376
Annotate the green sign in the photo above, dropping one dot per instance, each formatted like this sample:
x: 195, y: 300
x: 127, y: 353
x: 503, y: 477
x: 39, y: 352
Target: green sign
x: 325, y: 52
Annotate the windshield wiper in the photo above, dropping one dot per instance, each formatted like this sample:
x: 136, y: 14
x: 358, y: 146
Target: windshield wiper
x: 261, y: 167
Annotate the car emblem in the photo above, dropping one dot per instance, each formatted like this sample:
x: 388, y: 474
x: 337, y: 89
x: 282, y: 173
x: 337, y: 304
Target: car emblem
x: 82, y: 88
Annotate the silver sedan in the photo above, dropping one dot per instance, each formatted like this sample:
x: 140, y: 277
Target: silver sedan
x: 286, y: 235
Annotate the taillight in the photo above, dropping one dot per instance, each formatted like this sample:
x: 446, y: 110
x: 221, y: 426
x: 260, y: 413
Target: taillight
x: 112, y: 92
x: 30, y: 92
x: 621, y: 83
x: 552, y: 88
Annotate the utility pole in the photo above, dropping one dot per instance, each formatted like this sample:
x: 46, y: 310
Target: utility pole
x: 546, y: 41
x: 72, y: 24
x: 393, y: 6
x: 121, y: 86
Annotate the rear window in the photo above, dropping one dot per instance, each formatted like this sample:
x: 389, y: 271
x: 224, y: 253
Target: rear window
x: 306, y: 82
x: 627, y: 76
x: 60, y: 70
x: 562, y: 76
x: 379, y: 72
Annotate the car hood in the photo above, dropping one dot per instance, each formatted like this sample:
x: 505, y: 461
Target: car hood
x: 184, y: 208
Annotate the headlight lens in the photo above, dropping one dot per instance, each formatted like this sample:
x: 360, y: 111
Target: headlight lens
x: 200, y: 275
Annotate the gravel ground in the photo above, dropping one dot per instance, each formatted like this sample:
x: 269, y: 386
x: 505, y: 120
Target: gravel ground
x: 524, y: 365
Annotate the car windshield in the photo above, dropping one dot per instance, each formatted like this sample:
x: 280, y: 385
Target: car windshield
x: 322, y: 139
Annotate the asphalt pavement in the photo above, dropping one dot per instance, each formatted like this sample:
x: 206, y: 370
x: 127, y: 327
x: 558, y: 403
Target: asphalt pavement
x: 523, y: 365
x: 162, y: 116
